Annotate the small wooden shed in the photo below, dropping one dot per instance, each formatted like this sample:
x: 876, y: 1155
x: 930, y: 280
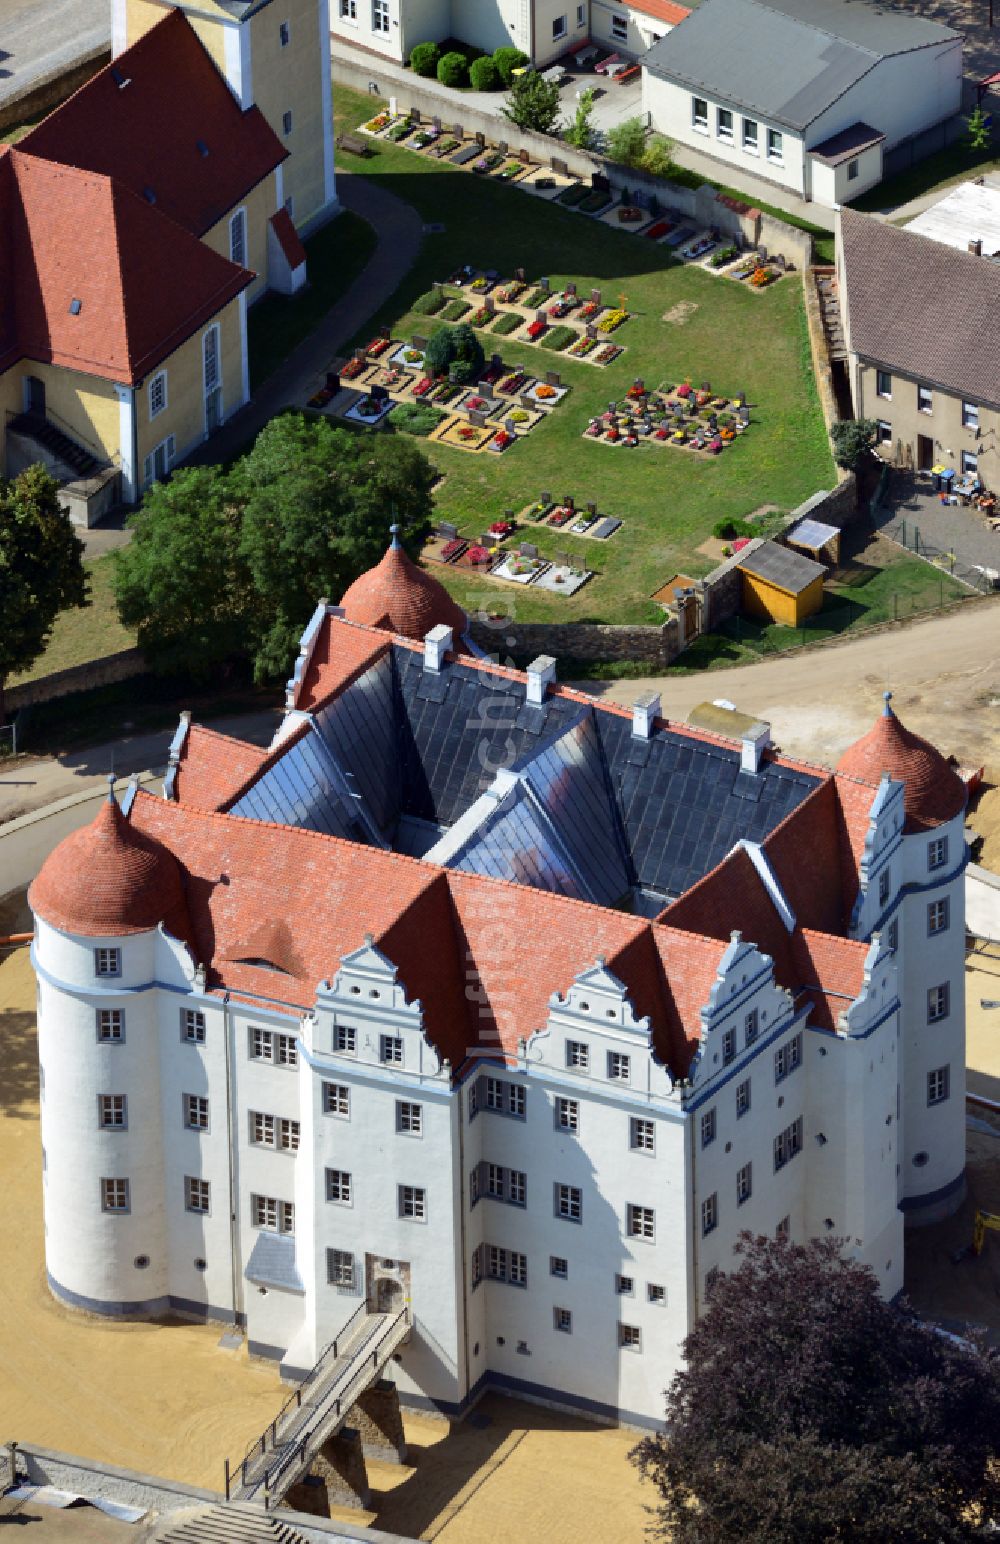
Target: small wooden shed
x: 780, y: 585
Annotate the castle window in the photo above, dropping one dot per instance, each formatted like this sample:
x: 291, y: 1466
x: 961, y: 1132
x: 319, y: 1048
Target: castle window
x: 742, y: 1098
x: 111, y: 1112
x: 338, y: 1187
x: 110, y: 1025
x: 710, y: 1213
x: 787, y: 1143
x: 345, y: 1039
x: 625, y: 1286
x: 107, y: 962
x: 192, y: 1026
x: 938, y: 1085
x: 708, y: 1127
x: 655, y: 1293
x: 787, y: 1058
x: 558, y: 1266
x: 391, y: 1050
x: 337, y: 1099
x: 284, y: 34
x: 158, y: 393
x: 640, y: 1222
x: 562, y: 1320
x: 728, y: 1047
x: 412, y: 1203
x: 641, y: 1135
x: 349, y: 10
x: 196, y: 1194
x: 195, y: 1112
x: 75, y: 306
x: 629, y: 1337
x: 114, y: 1195
x: 884, y: 882
x: 567, y: 1115
x: 937, y: 916
x: 744, y: 1184
x: 569, y: 1202
x: 340, y: 1268
x: 267, y: 1046
x: 938, y: 1003
x: 618, y: 1067
x: 750, y: 1026
x: 937, y: 852
x: 409, y: 1118
x: 578, y: 1055
x: 272, y: 1215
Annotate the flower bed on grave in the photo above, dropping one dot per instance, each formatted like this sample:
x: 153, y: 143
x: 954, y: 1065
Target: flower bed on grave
x: 562, y: 306
x: 423, y: 138
x: 355, y: 368
x: 444, y: 147
x: 378, y: 123
x: 546, y: 395
x: 519, y: 570
x: 507, y: 322
x: 370, y: 410
x: 612, y: 320
x: 463, y: 436
x: 443, y: 549
x: 536, y: 330
x: 477, y: 557
x: 412, y: 358
x: 510, y: 294
x: 558, y: 337
x: 455, y: 310
x: 482, y: 317
x: 431, y: 303
x: 510, y: 172
x: 501, y: 441
x: 488, y: 162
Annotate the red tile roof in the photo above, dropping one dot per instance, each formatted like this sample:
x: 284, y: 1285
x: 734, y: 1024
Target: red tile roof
x: 341, y: 653
x: 288, y: 238
x: 147, y: 134
x: 660, y: 10
x: 934, y: 792
x: 110, y: 879
x: 213, y: 766
x: 144, y: 283
x: 402, y: 598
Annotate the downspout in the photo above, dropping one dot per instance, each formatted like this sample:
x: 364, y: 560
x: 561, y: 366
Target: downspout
x: 136, y: 469
x: 462, y: 1238
x: 695, y: 1235
x: 236, y: 1278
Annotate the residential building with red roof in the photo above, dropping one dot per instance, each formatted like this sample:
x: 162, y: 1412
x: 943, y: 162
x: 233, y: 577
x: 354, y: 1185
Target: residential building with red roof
x: 478, y: 997
x: 137, y: 223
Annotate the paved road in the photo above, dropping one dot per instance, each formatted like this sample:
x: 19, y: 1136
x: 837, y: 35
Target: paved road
x: 40, y: 37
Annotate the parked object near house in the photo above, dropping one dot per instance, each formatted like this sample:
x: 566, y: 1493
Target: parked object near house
x: 923, y: 355
x: 139, y: 220
x: 808, y: 95
x: 478, y: 997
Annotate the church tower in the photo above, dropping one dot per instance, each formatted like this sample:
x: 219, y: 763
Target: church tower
x: 273, y: 55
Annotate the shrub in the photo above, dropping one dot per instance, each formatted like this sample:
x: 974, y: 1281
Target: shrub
x: 455, y: 310
x: 415, y: 418
x: 581, y: 131
x: 730, y: 528
x: 627, y: 142
x: 430, y: 304
x: 656, y: 158
x: 455, y: 352
x: 507, y: 321
x: 507, y: 60
x: 532, y: 103
x: 484, y: 74
x: 424, y: 59
x: 453, y: 70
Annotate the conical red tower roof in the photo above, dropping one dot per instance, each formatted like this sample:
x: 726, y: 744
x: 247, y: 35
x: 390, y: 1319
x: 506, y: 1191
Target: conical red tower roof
x: 934, y: 791
x: 402, y: 598
x: 109, y: 880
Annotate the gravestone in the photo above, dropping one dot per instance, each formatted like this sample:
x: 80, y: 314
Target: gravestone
x: 639, y: 383
x: 414, y: 114
x: 481, y: 140
x: 569, y: 503
x: 559, y: 166
x: 600, y: 183
x: 741, y: 398
x: 553, y: 378
x: 379, y: 394
x: 359, y: 356
x: 508, y: 514
x: 591, y: 330
x: 497, y: 361
x: 545, y: 497
x: 524, y: 157
x: 418, y: 342
x: 502, y: 146
x: 446, y: 529
x: 436, y: 125
x: 528, y: 550
x: 539, y: 316
x: 486, y: 390
x: 762, y: 254
x: 490, y: 304
x: 510, y: 426
x: 477, y: 419
x: 333, y: 380
x: 592, y: 509
x: 595, y: 297
x: 571, y: 290
x: 520, y: 276
x: 543, y: 284
x: 744, y: 415
x: 384, y: 332
x: 456, y: 131
x: 531, y: 406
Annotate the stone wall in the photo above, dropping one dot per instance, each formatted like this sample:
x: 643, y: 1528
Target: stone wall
x: 652, y: 646
x: 838, y: 506
x: 41, y: 96
x: 81, y: 678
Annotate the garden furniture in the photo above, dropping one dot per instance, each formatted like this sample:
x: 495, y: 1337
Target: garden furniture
x: 585, y: 55
x: 554, y: 76
x: 602, y: 65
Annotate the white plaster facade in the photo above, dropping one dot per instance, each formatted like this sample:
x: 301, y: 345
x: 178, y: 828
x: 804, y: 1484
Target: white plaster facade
x: 868, y: 1143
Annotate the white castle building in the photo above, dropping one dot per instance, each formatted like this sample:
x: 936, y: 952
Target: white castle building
x: 477, y: 995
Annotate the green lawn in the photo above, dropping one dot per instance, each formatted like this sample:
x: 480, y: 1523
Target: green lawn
x: 278, y: 323
x: 954, y: 164
x: 90, y: 633
x: 668, y: 500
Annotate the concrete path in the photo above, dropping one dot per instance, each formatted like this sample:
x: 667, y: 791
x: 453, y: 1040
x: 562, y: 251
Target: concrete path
x: 400, y: 237
x: 42, y: 38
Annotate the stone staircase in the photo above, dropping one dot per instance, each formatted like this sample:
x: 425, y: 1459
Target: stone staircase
x: 231, y: 1525
x: 60, y: 447
x: 829, y: 304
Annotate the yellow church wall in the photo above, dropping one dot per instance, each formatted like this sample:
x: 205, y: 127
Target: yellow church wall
x: 260, y: 204
x: 143, y: 14
x: 184, y: 414
x: 290, y: 79
x: 84, y: 406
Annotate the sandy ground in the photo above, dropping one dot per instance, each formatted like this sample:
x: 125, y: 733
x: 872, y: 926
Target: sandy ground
x: 984, y: 818
x: 161, y: 1398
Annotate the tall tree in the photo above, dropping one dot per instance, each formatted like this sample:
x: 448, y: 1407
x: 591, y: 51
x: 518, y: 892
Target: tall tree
x: 581, y: 131
x: 533, y: 103
x: 181, y: 582
x: 810, y: 1409
x: 41, y: 569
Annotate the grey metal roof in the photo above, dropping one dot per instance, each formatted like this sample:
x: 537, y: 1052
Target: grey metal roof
x: 782, y: 567
x: 814, y: 534
x: 788, y: 60
x: 272, y: 1262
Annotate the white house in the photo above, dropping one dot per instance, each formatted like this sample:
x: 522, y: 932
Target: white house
x: 807, y: 94
x: 475, y: 995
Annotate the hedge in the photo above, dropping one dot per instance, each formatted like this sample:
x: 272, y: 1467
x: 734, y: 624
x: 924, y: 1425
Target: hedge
x: 430, y: 304
x: 559, y: 337
x: 484, y: 74
x: 507, y: 321
x: 507, y: 60
x: 453, y: 70
x: 455, y: 310
x: 424, y: 59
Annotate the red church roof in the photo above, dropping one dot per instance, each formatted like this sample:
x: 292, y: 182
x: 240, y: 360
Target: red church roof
x: 94, y: 278
x: 402, y: 598
x: 934, y: 792
x: 161, y: 118
x: 110, y: 880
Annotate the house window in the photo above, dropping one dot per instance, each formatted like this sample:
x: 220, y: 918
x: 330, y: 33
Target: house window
x: 619, y: 29
x: 338, y: 1187
x: 517, y: 1187
x: 289, y: 1132
x: 787, y: 1143
x: 709, y: 1213
x: 567, y: 1115
x: 284, y: 34
x: 192, y: 1026
x: 775, y: 145
x: 938, y: 1085
x: 618, y: 1067
x: 578, y: 1055
x: 272, y: 1215
x: 699, y: 114
x: 937, y: 916
x: 883, y: 384
x: 391, y: 1050
x: 724, y: 123
x: 750, y: 136
x: 742, y: 1098
x: 336, y: 1099
x: 157, y: 464
x: 558, y: 1266
x: 157, y: 393
x: 380, y: 15
x: 409, y: 1118
x: 196, y: 1112
x: 744, y: 1183
x: 708, y: 1127
x: 562, y: 1320
x: 970, y: 463
x: 412, y: 1203
x: 970, y: 415
x: 750, y: 1027
x: 938, y: 1003
x: 655, y: 1293
x: 261, y: 1129
x: 884, y: 428
x: 286, y: 123
x: 569, y: 1202
x: 641, y: 1135
x: 559, y: 28
x: 852, y: 171
x: 884, y: 882
x: 238, y: 238
x: 114, y: 1195
x: 107, y: 962
x: 937, y: 852
x: 787, y: 1058
x: 624, y: 1286
x: 581, y: 15
x: 111, y: 1025
x: 349, y: 10
x: 340, y: 1268
x: 111, y: 1112
x: 196, y: 1194
x: 728, y: 1047
x: 629, y: 1337
x: 345, y: 1039
x: 925, y: 399
x: 640, y: 1221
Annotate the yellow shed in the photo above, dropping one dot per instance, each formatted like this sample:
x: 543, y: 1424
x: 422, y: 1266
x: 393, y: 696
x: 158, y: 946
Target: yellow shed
x: 780, y: 585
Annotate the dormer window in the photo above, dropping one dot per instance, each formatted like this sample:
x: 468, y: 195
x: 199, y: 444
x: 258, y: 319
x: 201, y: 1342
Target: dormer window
x: 202, y: 148
x: 149, y: 195
x: 120, y: 80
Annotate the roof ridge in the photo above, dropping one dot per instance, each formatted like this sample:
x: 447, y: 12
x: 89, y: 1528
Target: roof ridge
x: 812, y: 26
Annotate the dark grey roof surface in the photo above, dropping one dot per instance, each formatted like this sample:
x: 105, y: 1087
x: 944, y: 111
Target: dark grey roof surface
x: 788, y: 60
x: 781, y: 566
x: 595, y: 812
x: 848, y: 143
x: 921, y: 308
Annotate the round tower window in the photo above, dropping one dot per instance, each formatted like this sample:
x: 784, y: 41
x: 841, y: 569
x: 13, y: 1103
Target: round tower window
x: 200, y: 1264
x: 141, y: 1261
x: 919, y: 1159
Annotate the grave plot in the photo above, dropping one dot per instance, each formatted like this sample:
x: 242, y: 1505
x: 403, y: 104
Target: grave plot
x: 681, y: 416
x: 530, y: 311
x: 566, y: 515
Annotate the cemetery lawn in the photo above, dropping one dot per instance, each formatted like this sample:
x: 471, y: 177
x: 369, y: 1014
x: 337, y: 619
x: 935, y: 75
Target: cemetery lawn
x: 668, y: 500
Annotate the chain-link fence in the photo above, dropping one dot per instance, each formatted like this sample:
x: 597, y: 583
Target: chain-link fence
x: 838, y: 617
x: 907, y: 534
